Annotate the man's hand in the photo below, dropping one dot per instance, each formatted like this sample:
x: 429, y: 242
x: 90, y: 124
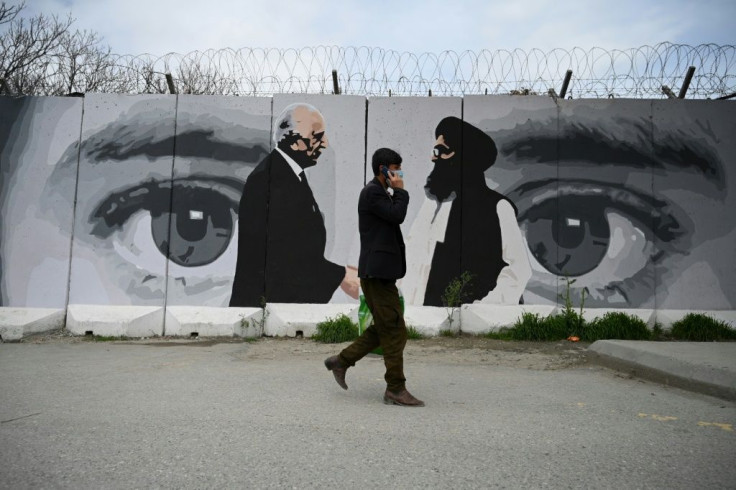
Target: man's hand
x: 350, y: 283
x: 395, y: 180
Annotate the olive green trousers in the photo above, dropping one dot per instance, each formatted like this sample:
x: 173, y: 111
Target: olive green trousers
x: 388, y: 331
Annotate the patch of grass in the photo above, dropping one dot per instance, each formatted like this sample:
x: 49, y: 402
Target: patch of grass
x: 500, y: 334
x: 658, y: 332
x: 616, y: 325
x: 413, y: 333
x: 698, y: 327
x: 447, y: 333
x: 533, y: 327
x: 335, y: 330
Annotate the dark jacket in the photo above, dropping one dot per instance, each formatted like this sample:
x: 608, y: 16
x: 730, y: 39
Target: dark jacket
x: 382, y: 251
x: 281, y: 242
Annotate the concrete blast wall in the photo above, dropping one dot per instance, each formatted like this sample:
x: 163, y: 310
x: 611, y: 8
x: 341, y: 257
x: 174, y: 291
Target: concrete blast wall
x: 166, y: 202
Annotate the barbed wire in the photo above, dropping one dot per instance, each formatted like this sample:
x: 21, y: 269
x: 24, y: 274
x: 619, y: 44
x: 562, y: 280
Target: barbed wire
x: 596, y: 73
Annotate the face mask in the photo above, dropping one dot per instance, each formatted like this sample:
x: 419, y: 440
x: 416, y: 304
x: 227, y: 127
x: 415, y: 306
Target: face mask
x: 399, y: 173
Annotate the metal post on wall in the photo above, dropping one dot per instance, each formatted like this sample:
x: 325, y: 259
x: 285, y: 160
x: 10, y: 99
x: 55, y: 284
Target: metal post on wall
x: 686, y: 82
x: 666, y: 90
x: 170, y: 82
x: 430, y: 92
x: 565, y: 83
x: 335, y: 85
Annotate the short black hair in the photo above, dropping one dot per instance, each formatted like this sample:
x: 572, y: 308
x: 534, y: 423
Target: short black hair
x: 385, y: 157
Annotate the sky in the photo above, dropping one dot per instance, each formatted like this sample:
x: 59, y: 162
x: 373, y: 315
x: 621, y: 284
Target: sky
x: 162, y: 26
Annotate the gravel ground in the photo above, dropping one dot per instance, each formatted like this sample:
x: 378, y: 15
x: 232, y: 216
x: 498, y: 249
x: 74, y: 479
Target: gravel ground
x: 465, y: 349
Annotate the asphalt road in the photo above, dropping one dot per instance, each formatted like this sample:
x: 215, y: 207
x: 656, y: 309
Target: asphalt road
x: 102, y: 415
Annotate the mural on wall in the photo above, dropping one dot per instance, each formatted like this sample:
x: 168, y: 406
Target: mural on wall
x: 619, y: 198
x: 126, y: 158
x: 465, y: 227
x: 220, y: 140
x: 199, y: 200
x: 37, y: 188
x: 282, y: 235
x: 694, y: 194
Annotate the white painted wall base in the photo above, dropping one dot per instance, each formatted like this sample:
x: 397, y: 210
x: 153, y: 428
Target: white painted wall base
x: 286, y: 319
x: 183, y: 321
x: 480, y: 318
x: 16, y: 323
x: 115, y: 321
x: 431, y: 320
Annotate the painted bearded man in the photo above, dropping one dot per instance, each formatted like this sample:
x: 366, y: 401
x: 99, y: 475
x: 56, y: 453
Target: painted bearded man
x: 465, y: 226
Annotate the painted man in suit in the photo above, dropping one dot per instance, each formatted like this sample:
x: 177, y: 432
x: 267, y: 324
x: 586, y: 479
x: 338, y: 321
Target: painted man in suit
x: 382, y: 261
x: 465, y: 226
x: 282, y: 235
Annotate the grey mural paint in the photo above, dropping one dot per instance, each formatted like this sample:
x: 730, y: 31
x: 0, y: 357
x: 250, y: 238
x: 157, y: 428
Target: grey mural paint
x: 582, y: 176
x: 219, y: 140
x: 282, y: 245
x: 125, y: 170
x: 694, y: 167
x: 407, y: 125
x: 337, y: 179
x: 632, y: 199
x: 37, y: 198
x: 526, y: 178
x: 481, y: 233
x: 607, y: 221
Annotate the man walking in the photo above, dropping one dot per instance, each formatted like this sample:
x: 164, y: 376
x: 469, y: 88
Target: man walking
x: 382, y: 261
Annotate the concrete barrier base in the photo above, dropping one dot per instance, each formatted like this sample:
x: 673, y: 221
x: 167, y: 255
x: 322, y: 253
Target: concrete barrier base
x: 16, y: 323
x: 195, y: 321
x: 481, y: 318
x: 293, y: 320
x: 115, y: 321
x: 430, y: 321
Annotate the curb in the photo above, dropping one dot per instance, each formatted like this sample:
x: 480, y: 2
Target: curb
x: 633, y: 357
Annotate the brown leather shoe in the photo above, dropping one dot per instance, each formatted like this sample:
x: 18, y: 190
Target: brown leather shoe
x: 402, y: 398
x: 333, y: 364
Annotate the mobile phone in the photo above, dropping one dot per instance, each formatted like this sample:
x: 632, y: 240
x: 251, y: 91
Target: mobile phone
x: 386, y: 171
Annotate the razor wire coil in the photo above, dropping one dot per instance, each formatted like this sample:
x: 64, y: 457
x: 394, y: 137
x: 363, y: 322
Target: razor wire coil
x: 596, y: 73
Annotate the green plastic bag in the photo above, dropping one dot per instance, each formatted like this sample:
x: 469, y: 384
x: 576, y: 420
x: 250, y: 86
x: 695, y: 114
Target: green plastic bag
x: 365, y: 317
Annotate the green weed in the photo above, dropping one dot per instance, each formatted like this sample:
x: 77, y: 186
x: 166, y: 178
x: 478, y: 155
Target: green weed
x: 616, y: 325
x: 413, y: 333
x: 335, y: 330
x: 702, y: 328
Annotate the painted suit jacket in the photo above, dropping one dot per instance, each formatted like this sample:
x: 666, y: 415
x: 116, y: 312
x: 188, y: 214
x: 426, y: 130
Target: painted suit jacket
x: 281, y: 242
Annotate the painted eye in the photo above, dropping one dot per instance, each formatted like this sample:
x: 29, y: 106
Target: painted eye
x: 607, y: 238
x: 572, y: 242
x: 194, y: 228
x: 201, y: 223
